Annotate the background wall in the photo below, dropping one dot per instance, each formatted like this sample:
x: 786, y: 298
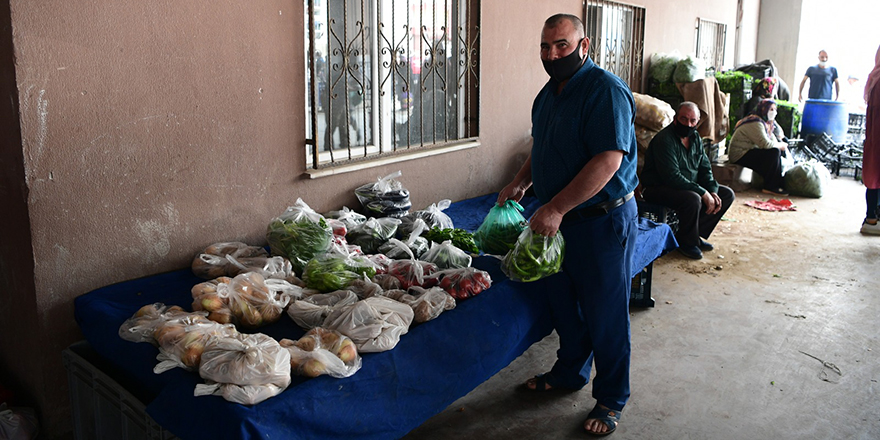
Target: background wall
x: 136, y: 133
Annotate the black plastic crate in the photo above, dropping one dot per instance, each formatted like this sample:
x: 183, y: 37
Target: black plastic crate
x: 102, y: 408
x: 640, y: 295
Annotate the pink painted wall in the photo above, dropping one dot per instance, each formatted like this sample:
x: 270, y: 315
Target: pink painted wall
x: 149, y: 130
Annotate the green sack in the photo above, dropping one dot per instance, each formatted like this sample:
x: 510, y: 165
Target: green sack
x: 500, y: 229
x: 807, y: 179
x: 534, y: 257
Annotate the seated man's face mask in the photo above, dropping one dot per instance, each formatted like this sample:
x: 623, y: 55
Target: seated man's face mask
x: 564, y: 68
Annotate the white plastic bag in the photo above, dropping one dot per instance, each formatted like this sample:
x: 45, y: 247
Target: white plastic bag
x: 323, y: 351
x: 374, y: 324
x: 18, y: 423
x: 233, y: 365
x: 212, y: 262
x: 311, y: 311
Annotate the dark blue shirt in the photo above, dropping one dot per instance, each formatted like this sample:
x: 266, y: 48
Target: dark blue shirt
x: 594, y: 113
x: 821, y: 81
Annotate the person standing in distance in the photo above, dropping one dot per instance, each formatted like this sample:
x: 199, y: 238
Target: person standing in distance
x: 822, y: 77
x: 871, y: 157
x: 583, y: 169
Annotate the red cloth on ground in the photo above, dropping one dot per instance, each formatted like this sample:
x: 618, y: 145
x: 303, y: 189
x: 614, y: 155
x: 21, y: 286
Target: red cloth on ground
x: 772, y: 205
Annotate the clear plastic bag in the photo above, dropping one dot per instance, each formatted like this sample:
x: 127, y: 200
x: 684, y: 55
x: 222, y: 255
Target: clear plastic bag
x: 182, y: 341
x: 322, y: 351
x: 212, y: 262
x: 535, y: 256
x: 461, y: 283
x: 18, y: 423
x: 433, y: 216
x: 416, y: 244
x: 332, y: 271
x: 248, y: 300
x: 142, y: 325
x: 364, y: 287
x: 385, y: 198
x: 663, y: 65
x: 373, y: 233
x: 446, y: 256
x: 689, y: 69
x: 427, y: 304
x: 299, y: 234
x: 374, y: 324
x: 348, y: 217
x: 410, y: 272
x: 232, y: 364
x: 500, y: 229
x: 311, y: 311
x: 276, y: 267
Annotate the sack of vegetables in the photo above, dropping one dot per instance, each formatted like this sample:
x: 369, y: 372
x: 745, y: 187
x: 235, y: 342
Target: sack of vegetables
x: 501, y: 228
x: 385, y: 198
x: 299, y: 234
x: 534, y: 257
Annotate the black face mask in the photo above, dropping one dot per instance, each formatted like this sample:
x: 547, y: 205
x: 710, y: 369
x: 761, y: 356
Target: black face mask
x: 682, y: 130
x: 564, y: 68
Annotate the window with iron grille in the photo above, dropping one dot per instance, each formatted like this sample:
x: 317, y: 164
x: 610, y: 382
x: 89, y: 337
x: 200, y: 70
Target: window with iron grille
x: 388, y: 77
x: 617, y: 38
x: 710, y: 42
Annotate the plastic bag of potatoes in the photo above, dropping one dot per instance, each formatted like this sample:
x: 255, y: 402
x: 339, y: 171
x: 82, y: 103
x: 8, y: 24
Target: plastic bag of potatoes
x: 248, y: 300
x: 322, y: 351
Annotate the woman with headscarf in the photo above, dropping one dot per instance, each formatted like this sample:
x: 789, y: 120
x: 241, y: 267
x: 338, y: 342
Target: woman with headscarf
x: 761, y: 90
x: 758, y: 143
x: 871, y: 157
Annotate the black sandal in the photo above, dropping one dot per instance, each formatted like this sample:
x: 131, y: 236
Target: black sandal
x: 610, y: 417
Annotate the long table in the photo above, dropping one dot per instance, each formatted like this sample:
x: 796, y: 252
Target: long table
x: 395, y: 391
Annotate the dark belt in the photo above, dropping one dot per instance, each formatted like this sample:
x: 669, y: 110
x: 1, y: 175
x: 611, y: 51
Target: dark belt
x: 595, y: 210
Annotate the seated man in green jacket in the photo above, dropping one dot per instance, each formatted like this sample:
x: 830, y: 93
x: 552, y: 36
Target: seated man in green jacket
x: 677, y: 174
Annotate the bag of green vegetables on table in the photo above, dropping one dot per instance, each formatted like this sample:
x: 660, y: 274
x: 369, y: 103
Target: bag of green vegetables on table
x: 534, y: 257
x: 299, y: 234
x: 500, y: 229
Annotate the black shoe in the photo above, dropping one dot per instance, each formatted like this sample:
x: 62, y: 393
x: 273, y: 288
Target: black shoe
x: 706, y: 246
x: 691, y: 252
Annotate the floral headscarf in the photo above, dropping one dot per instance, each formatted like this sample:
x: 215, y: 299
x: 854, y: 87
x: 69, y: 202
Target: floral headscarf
x: 765, y: 87
x: 760, y: 115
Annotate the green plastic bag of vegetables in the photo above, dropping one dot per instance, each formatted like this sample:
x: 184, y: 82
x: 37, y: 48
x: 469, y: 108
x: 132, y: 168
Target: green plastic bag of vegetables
x: 500, y: 229
x: 534, y: 256
x: 299, y: 234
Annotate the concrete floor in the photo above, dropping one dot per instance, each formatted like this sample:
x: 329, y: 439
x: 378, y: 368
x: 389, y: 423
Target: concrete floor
x: 724, y: 353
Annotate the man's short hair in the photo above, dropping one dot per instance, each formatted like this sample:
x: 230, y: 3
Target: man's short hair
x: 554, y: 21
x: 684, y: 104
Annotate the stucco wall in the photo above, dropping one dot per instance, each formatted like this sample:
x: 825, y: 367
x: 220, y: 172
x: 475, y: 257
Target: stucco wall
x: 151, y: 129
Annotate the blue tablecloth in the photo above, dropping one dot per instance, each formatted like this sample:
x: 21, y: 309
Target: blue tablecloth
x: 433, y: 365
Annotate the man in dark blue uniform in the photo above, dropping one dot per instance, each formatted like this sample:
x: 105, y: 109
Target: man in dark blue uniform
x: 583, y: 169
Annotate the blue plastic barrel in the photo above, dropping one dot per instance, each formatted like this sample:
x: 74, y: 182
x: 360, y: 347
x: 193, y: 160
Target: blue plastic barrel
x: 825, y: 116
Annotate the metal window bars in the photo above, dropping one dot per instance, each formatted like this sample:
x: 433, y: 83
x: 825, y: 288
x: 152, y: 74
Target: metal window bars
x: 388, y: 76
x: 711, y: 38
x: 617, y: 38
